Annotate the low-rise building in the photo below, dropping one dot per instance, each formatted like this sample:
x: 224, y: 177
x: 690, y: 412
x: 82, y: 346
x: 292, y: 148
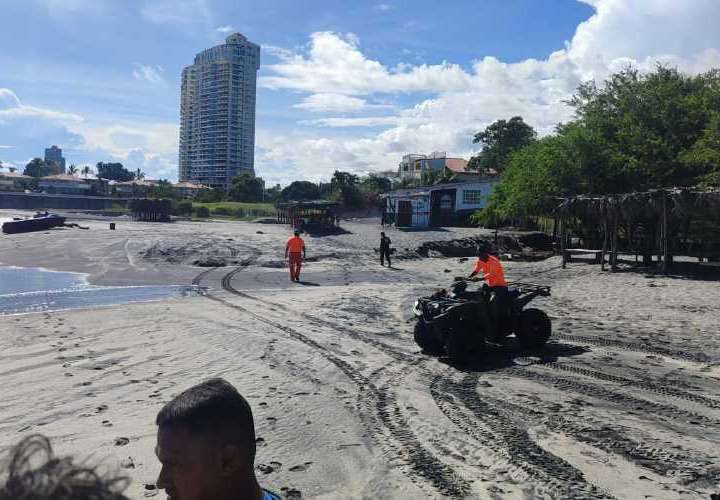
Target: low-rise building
x: 12, y: 181
x: 414, y: 166
x: 134, y: 188
x: 63, y: 184
x: 436, y: 206
x: 189, y: 189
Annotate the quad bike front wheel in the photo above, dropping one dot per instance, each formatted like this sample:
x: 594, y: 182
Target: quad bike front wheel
x: 534, y: 329
x: 426, y: 338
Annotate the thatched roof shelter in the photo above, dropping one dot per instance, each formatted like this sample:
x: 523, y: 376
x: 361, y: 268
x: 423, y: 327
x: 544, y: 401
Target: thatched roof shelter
x: 662, y: 222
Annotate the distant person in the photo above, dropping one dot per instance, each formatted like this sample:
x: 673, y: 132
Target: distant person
x: 32, y: 472
x: 294, y: 254
x: 385, y: 249
x: 206, y: 445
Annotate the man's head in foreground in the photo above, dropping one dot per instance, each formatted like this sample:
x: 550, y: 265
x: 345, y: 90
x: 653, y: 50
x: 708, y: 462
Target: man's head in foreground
x: 31, y: 471
x: 296, y: 232
x: 206, y: 444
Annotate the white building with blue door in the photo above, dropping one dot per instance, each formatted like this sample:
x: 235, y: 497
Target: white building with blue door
x: 440, y: 205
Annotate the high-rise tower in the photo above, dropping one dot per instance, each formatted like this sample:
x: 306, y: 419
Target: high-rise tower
x: 217, y: 113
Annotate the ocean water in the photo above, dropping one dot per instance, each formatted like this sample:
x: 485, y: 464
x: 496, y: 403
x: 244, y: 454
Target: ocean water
x: 25, y: 290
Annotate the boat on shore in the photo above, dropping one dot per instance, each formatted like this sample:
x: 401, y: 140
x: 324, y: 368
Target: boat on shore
x: 39, y: 222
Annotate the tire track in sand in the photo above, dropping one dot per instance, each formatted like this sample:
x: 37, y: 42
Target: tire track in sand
x: 504, y: 438
x: 377, y: 403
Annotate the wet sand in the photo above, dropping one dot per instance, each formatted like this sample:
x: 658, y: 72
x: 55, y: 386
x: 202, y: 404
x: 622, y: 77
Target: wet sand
x: 624, y: 402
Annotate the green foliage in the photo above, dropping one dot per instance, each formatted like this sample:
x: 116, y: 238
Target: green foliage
x: 38, y: 168
x: 237, y: 210
x: 210, y: 196
x: 184, y: 207
x: 113, y: 172
x: 163, y: 190
x: 272, y: 195
x: 499, y: 140
x: 300, y: 191
x: 72, y: 170
x: 247, y: 188
x: 376, y: 184
x: 636, y: 132
x: 202, y: 212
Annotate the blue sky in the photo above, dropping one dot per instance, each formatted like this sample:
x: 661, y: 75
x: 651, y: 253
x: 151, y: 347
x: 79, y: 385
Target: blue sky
x: 343, y: 85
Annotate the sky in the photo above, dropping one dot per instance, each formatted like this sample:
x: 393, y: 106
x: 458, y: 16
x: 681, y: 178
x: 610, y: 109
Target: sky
x: 349, y: 85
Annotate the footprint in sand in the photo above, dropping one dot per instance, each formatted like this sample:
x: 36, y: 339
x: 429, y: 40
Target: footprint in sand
x: 291, y: 493
x: 106, y: 423
x: 260, y: 441
x: 127, y: 463
x: 121, y: 441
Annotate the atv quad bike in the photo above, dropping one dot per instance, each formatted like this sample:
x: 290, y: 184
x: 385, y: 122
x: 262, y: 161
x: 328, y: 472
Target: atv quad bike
x: 460, y: 323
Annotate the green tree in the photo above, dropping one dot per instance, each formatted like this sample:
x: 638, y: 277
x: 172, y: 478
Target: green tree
x: 38, y: 168
x: 113, y: 172
x: 499, y: 140
x: 300, y: 191
x: 72, y: 170
x: 210, y: 196
x: 85, y: 171
x: 374, y: 183
x: 272, y: 194
x: 163, y: 189
x: 247, y: 188
x: 139, y: 174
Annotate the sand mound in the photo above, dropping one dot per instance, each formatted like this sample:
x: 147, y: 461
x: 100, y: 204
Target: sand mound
x: 527, y: 246
x: 203, y: 251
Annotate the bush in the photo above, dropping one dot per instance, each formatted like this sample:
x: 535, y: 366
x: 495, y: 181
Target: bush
x: 239, y: 212
x: 182, y: 208
x: 202, y: 212
x: 221, y: 211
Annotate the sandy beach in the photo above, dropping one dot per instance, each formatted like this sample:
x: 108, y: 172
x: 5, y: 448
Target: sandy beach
x: 624, y: 401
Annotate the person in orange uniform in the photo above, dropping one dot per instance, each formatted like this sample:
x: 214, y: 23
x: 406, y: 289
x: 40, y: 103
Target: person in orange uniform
x: 494, y: 275
x: 491, y: 269
x: 295, y: 253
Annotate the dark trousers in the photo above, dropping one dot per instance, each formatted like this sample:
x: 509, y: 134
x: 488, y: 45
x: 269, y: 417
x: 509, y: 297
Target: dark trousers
x: 385, y: 254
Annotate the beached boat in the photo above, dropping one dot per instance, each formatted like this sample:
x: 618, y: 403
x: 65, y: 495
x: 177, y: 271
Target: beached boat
x: 40, y: 222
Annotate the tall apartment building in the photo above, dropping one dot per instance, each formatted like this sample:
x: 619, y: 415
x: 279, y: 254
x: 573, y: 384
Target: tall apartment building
x: 217, y: 113
x: 54, y: 154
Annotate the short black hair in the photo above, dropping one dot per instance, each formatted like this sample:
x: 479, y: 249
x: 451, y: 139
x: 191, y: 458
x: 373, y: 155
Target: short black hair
x: 213, y: 407
x: 33, y: 472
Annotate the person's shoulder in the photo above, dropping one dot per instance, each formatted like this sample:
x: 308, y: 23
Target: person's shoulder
x: 269, y: 495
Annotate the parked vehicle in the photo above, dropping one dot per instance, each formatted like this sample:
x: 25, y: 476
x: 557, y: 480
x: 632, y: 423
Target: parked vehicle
x: 39, y: 222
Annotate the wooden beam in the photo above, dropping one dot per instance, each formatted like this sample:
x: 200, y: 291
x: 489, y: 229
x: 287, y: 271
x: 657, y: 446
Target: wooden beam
x: 665, y: 235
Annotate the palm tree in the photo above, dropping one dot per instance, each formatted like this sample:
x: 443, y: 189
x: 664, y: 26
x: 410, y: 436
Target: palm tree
x: 139, y: 174
x: 86, y: 170
x: 72, y: 170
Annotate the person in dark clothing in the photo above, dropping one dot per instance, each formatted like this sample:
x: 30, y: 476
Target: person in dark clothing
x: 206, y: 445
x: 385, y: 249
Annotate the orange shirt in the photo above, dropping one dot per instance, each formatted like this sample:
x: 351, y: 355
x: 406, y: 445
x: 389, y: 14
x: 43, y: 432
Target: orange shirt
x: 492, y: 271
x: 295, y: 244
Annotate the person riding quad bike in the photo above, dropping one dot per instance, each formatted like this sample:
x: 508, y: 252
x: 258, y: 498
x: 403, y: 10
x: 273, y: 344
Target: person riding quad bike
x: 461, y: 323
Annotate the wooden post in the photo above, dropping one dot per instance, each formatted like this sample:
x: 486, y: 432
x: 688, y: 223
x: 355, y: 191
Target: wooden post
x: 613, y: 245
x: 605, y: 240
x: 665, y: 235
x: 562, y: 240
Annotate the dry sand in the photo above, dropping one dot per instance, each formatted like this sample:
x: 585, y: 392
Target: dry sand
x: 624, y: 402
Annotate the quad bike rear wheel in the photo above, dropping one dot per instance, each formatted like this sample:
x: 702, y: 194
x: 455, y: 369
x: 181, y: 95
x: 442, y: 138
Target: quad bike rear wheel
x: 534, y: 328
x: 426, y: 338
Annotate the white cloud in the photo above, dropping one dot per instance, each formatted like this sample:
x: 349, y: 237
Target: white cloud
x: 224, y: 29
x: 328, y: 103
x: 384, y: 7
x: 466, y: 100
x: 175, y: 11
x: 367, y: 121
x: 153, y: 147
x: 334, y: 64
x: 11, y: 108
x: 152, y: 74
